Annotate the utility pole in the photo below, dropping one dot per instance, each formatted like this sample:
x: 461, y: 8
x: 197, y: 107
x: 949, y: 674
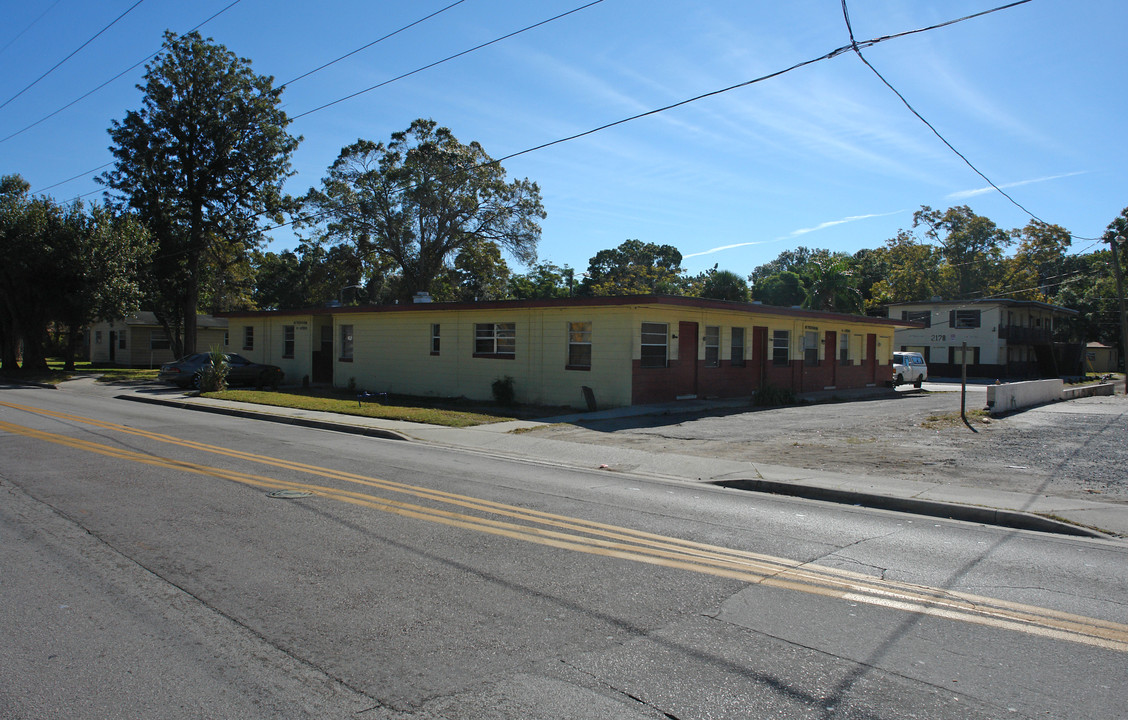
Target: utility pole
x: 1114, y: 241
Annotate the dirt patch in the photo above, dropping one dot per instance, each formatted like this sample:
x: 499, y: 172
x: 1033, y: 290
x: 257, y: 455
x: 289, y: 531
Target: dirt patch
x: 1079, y: 451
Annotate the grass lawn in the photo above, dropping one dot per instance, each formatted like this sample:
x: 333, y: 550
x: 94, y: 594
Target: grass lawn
x: 451, y: 413
x: 107, y: 373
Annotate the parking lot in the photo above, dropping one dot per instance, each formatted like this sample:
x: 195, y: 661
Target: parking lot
x: 1071, y: 449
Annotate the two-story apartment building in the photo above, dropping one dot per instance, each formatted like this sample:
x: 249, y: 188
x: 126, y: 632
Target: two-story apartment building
x: 1004, y: 339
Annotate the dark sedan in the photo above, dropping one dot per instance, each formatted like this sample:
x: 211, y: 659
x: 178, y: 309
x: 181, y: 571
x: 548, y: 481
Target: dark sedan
x: 187, y: 371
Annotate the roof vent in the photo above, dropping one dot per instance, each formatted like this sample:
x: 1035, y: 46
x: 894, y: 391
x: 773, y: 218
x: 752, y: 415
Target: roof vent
x: 937, y: 298
x: 422, y: 297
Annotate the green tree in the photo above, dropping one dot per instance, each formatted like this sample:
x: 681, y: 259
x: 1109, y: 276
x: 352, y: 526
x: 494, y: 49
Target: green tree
x: 785, y: 289
x: 62, y: 265
x: 723, y: 285
x: 97, y: 270
x: 29, y: 230
x: 831, y: 286
x: 787, y: 261
x: 421, y: 198
x: 914, y: 272
x: 202, y: 164
x: 973, y: 250
x: 280, y: 283
x: 1089, y: 286
x: 543, y: 281
x: 634, y: 268
x: 479, y: 273
x: 870, y: 267
x: 1034, y: 270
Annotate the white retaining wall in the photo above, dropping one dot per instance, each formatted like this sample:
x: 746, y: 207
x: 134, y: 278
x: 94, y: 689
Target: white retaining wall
x: 1015, y: 396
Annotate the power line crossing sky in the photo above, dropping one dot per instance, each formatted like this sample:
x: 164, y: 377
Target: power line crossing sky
x: 823, y: 156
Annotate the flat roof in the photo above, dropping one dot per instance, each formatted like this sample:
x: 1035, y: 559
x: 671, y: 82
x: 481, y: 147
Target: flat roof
x: 993, y: 301
x: 585, y: 302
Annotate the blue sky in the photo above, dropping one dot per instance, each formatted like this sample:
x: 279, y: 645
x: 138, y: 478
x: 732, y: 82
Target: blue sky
x: 823, y: 156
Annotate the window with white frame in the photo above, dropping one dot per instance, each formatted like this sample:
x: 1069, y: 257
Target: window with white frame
x: 712, y: 346
x: 781, y: 347
x: 346, y: 343
x: 435, y: 338
x: 965, y: 319
x: 158, y: 340
x: 579, y: 346
x: 248, y: 337
x: 920, y: 316
x: 844, y: 347
x: 655, y: 345
x: 811, y: 348
x: 495, y: 340
x: 736, y: 353
x: 287, y: 341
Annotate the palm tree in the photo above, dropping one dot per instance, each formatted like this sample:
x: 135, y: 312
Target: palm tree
x: 831, y: 286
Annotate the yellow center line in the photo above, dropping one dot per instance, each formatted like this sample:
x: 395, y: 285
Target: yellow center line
x: 601, y: 539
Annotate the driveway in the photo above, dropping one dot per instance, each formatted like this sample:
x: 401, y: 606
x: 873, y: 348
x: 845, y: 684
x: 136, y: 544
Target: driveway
x: 1073, y: 449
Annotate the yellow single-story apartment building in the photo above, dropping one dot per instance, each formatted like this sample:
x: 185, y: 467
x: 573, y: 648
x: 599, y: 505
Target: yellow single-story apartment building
x: 141, y: 341
x: 616, y: 351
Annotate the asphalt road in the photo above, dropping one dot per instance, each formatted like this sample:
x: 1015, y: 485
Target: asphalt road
x: 147, y: 572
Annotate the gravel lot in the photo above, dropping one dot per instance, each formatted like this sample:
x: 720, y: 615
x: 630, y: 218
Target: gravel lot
x: 1071, y: 449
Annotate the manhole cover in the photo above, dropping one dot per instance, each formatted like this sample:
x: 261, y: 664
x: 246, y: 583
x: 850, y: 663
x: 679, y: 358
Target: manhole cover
x: 288, y: 494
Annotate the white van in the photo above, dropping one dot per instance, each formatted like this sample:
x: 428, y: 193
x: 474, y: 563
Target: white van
x: 909, y: 367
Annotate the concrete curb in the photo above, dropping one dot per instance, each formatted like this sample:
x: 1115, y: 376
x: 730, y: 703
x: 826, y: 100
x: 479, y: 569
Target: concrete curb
x: 271, y: 417
x: 929, y: 508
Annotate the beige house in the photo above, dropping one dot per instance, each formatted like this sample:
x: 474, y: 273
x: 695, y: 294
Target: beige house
x: 1100, y: 358
x: 616, y: 351
x: 140, y: 341
x: 1004, y: 338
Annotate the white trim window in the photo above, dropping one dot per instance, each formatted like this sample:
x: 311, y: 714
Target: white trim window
x: 288, y: 341
x: 781, y: 347
x: 736, y: 352
x: 495, y: 340
x: 346, y: 343
x: 712, y: 346
x: 655, y: 345
x: 579, y: 346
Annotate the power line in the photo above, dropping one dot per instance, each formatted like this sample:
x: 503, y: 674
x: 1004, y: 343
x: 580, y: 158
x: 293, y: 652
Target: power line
x: 378, y: 40
x: 115, y: 77
x: 68, y: 57
x: 832, y: 54
x: 447, y: 59
x: 29, y: 26
x: 857, y: 50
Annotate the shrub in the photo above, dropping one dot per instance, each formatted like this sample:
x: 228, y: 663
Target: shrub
x: 770, y: 396
x: 503, y: 390
x: 214, y: 375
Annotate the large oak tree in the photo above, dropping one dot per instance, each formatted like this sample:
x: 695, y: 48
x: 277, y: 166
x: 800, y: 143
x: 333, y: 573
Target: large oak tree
x: 421, y: 199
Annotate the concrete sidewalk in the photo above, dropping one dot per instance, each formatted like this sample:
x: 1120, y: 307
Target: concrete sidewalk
x: 1009, y: 509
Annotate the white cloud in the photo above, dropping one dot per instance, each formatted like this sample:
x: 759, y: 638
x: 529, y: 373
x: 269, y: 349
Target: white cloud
x: 794, y: 233
x: 843, y: 221
x: 984, y: 190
